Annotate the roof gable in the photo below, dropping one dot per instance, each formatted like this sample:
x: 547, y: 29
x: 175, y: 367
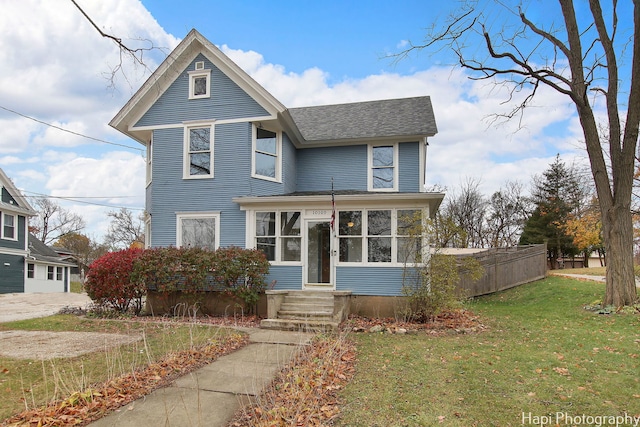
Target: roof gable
x: 12, y: 199
x: 175, y: 63
x: 393, y: 118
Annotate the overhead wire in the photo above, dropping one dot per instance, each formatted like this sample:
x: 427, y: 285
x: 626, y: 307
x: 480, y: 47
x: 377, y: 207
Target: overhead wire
x: 75, y: 199
x: 70, y: 131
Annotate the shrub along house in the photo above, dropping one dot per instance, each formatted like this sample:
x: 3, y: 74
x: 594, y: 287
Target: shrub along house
x: 321, y: 190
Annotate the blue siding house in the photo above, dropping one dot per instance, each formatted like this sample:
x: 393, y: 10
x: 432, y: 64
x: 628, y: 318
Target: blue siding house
x: 27, y: 264
x: 319, y: 189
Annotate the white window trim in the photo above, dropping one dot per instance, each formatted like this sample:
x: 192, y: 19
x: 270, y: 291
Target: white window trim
x: 195, y: 74
x: 3, y: 215
x: 254, y: 138
x: 371, y: 167
x: 364, y: 236
x: 253, y: 239
x: 149, y: 161
x: 183, y: 215
x: 186, y: 170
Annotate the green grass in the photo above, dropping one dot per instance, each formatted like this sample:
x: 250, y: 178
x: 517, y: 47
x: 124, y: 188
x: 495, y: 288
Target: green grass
x: 76, y: 287
x: 543, y: 353
x: 32, y: 383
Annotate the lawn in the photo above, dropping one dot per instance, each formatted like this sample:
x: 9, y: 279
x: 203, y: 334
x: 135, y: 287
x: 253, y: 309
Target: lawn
x: 542, y: 354
x: 27, y: 384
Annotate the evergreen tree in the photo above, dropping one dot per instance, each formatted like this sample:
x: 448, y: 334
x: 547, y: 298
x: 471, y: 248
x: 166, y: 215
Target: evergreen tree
x: 557, y: 195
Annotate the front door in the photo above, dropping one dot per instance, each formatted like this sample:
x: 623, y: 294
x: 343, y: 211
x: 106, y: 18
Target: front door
x: 319, y: 268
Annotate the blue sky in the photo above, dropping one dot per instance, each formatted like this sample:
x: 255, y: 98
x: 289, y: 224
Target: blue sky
x: 56, y: 68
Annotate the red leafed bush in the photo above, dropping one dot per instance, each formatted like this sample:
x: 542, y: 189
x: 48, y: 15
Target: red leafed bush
x: 109, y: 281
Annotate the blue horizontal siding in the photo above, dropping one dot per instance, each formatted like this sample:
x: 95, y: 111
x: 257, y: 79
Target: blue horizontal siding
x: 409, y: 167
x: 12, y: 278
x: 346, y: 165
x: 382, y: 281
x: 288, y: 277
x: 227, y: 100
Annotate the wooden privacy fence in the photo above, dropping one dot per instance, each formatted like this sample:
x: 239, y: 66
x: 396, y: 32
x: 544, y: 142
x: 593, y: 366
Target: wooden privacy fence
x: 505, y: 268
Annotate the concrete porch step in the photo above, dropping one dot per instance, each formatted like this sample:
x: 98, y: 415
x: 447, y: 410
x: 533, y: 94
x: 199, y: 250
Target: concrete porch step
x: 306, y: 306
x: 306, y: 325
x: 305, y: 315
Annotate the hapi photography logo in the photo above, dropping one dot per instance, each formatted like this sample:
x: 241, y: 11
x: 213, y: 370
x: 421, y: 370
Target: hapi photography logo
x: 564, y: 418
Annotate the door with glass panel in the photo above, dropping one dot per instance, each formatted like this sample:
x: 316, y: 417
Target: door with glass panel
x: 319, y: 265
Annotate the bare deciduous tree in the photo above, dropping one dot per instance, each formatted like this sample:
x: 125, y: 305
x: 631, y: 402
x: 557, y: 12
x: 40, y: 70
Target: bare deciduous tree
x: 506, y: 214
x: 124, y: 229
x: 53, y: 221
x: 585, y: 61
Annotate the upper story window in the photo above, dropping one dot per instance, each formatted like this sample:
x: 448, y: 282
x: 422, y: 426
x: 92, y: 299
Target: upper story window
x: 9, y: 227
x: 198, y: 230
x: 267, y: 146
x: 199, y: 82
x: 198, y: 152
x: 383, y: 167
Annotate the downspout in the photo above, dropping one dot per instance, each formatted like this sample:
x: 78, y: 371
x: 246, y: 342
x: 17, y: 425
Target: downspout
x: 424, y: 166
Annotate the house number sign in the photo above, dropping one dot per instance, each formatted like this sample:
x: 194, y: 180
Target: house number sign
x: 318, y: 213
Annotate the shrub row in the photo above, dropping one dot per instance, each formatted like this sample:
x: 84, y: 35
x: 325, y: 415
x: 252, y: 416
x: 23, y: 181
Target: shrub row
x: 119, y: 279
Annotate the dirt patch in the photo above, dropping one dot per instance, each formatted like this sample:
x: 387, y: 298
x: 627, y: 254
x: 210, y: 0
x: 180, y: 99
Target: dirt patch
x: 49, y: 345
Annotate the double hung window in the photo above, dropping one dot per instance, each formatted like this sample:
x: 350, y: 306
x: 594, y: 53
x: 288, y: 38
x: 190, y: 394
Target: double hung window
x: 267, y: 146
x: 383, y: 169
x: 9, y: 226
x: 198, y: 152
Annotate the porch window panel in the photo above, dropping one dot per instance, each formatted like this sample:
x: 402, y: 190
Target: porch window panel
x: 290, y: 242
x: 291, y: 249
x: 350, y: 223
x: 268, y: 246
x: 409, y: 250
x: 350, y: 249
x: 409, y: 232
x: 50, y: 272
x: 265, y: 224
x: 379, y: 249
x: 379, y: 224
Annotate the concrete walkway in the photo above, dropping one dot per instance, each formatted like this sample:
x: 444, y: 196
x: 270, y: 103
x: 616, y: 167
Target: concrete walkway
x: 211, y: 395
x: 21, y: 306
x: 588, y: 277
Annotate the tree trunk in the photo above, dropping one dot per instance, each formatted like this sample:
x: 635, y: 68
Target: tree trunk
x: 621, y: 284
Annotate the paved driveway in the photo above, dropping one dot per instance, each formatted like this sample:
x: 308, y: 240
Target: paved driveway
x: 29, y: 306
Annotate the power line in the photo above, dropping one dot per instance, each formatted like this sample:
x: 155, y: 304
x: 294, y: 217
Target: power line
x: 70, y: 131
x: 75, y: 199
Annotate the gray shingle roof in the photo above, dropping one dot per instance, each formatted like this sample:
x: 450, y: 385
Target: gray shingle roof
x: 42, y: 252
x: 371, y: 119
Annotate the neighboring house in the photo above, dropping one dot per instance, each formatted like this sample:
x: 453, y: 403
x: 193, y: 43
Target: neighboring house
x: 27, y: 264
x: 46, y: 270
x: 321, y: 190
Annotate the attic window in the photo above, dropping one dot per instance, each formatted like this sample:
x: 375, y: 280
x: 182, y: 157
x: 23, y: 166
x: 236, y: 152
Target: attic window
x: 199, y: 83
x: 200, y: 65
